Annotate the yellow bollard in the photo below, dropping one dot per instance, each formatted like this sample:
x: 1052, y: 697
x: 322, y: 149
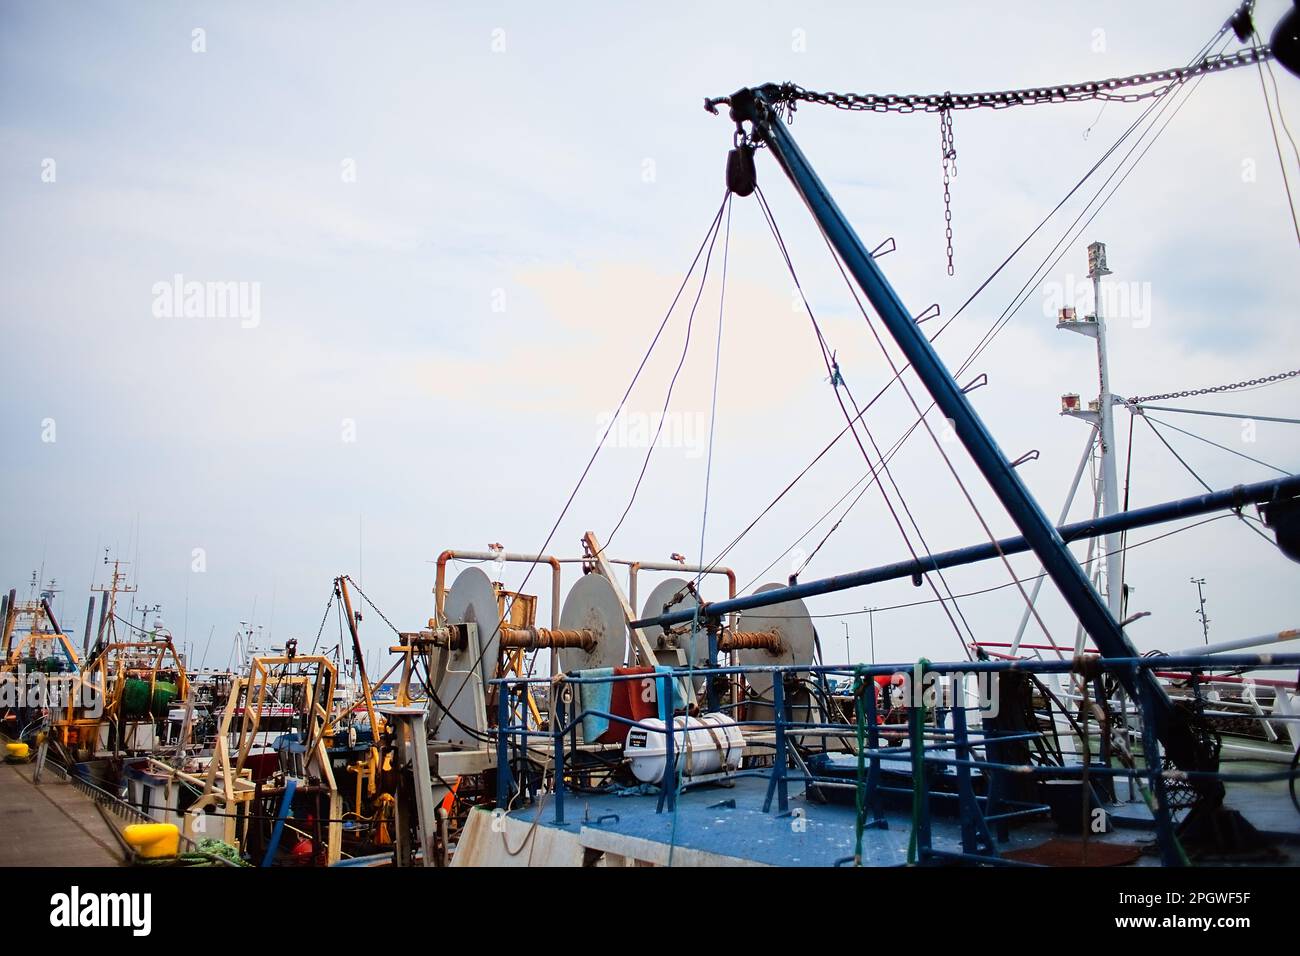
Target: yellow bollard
x: 17, y: 752
x: 154, y: 840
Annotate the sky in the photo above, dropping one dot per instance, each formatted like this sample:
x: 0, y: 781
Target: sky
x: 433, y: 242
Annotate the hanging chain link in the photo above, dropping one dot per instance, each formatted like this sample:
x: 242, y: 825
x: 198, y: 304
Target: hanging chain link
x: 948, y: 153
x: 324, y: 618
x: 790, y: 94
x: 373, y: 606
x: 1214, y: 389
x: 1124, y: 89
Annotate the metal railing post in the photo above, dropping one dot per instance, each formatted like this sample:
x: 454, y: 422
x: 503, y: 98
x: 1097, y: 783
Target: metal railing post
x: 921, y: 811
x: 558, y: 711
x: 503, y: 753
x: 1151, y: 754
x: 668, y: 785
x: 975, y: 837
x: 779, y: 782
x: 878, y: 821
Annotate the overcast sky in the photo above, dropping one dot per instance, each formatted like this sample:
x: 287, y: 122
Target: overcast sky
x: 457, y: 228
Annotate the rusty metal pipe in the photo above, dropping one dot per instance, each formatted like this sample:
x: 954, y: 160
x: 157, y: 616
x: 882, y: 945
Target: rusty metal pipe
x: 531, y: 638
x: 635, y: 566
x: 749, y: 640
x: 440, y: 579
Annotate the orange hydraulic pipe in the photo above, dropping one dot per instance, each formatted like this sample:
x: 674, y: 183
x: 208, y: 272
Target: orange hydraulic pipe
x: 634, y: 566
x: 440, y: 579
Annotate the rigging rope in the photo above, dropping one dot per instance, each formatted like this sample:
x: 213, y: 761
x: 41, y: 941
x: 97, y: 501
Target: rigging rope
x: 869, y: 478
x: 1277, y: 98
x: 937, y: 444
x: 795, y: 480
x: 672, y: 383
x: 966, y: 304
x: 1201, y: 481
x: 1123, y: 537
x: 837, y: 380
x: 1156, y: 109
x: 1123, y: 549
x: 1231, y: 451
x: 704, y: 523
x: 1281, y: 163
x: 532, y: 566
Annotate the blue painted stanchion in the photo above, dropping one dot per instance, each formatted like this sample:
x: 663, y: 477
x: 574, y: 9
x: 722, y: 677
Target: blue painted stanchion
x: 711, y: 685
x: 877, y: 821
x: 778, y: 784
x: 668, y: 784
x: 558, y: 710
x: 503, y: 754
x: 975, y: 837
x: 1151, y: 754
x: 286, y: 802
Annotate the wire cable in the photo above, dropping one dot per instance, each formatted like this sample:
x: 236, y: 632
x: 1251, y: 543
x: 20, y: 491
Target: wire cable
x: 704, y: 523
x: 1191, y: 471
x: 970, y: 299
x: 1155, y: 110
x: 672, y: 383
x: 837, y: 379
x: 710, y: 233
x: 1281, y: 163
x: 1124, y: 549
x: 1231, y: 451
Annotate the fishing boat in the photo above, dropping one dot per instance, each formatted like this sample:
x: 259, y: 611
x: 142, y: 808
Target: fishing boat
x: 651, y: 710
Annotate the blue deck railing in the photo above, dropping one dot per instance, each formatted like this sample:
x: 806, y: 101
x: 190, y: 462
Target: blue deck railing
x: 952, y: 746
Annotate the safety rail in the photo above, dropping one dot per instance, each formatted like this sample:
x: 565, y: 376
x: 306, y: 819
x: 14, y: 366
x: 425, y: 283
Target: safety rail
x: 935, y: 746
x: 111, y: 801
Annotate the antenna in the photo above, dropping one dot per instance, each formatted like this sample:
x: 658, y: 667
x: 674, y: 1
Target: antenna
x: 1205, y: 621
x: 108, y: 601
x: 144, y: 613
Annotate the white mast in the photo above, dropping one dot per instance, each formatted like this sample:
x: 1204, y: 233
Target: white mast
x: 1101, y: 414
x: 1109, y: 484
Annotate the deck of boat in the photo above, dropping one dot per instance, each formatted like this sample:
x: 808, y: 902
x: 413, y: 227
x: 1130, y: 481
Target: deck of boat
x: 720, y: 826
x: 50, y: 824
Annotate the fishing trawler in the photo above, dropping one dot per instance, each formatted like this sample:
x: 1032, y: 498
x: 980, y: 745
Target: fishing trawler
x: 707, y: 732
x: 665, y: 715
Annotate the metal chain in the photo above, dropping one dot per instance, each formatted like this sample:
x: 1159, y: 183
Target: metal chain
x: 790, y: 93
x: 324, y: 617
x: 373, y: 606
x: 1188, y: 393
x: 948, y: 155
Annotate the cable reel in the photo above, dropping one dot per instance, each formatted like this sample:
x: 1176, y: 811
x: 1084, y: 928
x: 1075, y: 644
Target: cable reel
x: 592, y: 634
x: 593, y: 611
x: 674, y: 594
x: 780, y: 635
